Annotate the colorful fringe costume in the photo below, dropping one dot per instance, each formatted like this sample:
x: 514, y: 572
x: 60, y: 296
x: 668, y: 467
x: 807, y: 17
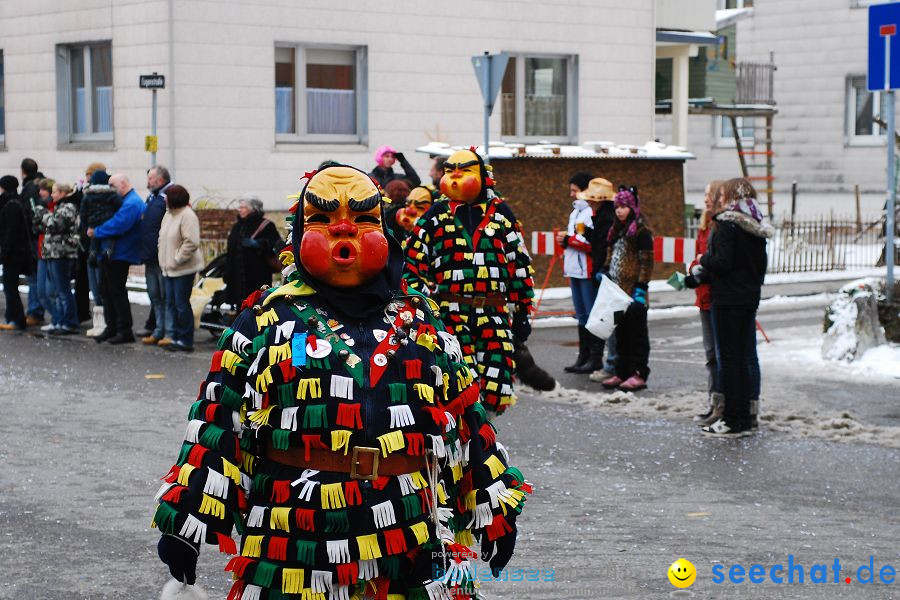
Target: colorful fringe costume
x: 289, y: 376
x: 447, y: 261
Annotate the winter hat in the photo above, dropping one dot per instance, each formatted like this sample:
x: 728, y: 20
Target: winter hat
x: 100, y: 177
x: 379, y: 154
x: 625, y: 198
x: 9, y: 183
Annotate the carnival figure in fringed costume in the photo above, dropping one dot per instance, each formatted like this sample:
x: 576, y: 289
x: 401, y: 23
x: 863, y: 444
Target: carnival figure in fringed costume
x: 339, y: 430
x: 400, y: 220
x: 467, y: 252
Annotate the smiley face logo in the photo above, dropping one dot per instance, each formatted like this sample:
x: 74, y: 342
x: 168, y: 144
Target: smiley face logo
x: 682, y: 573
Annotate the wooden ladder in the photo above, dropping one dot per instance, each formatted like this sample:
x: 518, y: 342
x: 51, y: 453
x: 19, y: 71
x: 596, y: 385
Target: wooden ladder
x: 768, y: 154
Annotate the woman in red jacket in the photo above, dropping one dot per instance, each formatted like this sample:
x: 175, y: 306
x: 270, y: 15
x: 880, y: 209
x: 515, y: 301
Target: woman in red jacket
x: 704, y: 303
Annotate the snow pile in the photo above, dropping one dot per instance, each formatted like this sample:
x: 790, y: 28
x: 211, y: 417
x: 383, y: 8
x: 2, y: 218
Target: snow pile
x: 854, y: 327
x: 785, y: 414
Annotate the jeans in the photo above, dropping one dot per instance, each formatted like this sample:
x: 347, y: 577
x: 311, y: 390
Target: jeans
x: 752, y: 360
x: 612, y: 354
x: 178, y: 303
x: 734, y: 327
x: 633, y: 343
x: 116, y: 308
x: 63, y: 300
x: 709, y: 348
x: 156, y: 289
x: 15, y: 312
x: 93, y: 274
x: 584, y: 292
x: 38, y: 301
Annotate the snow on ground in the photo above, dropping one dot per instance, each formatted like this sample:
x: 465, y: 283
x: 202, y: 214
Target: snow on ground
x: 794, y: 355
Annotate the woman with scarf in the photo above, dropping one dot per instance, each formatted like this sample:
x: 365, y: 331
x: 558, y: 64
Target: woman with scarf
x: 736, y: 263
x: 251, y: 239
x: 339, y: 430
x: 629, y: 263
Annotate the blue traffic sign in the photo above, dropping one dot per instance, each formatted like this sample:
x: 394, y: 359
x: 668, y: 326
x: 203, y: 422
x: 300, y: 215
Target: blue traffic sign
x: 884, y: 47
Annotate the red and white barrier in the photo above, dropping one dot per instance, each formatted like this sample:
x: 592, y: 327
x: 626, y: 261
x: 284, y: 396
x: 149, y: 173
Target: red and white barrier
x: 665, y: 249
x: 673, y: 250
x: 542, y: 243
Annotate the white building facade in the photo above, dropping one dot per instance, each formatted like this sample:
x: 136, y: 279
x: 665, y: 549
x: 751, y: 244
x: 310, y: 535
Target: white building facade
x: 825, y: 137
x: 258, y: 93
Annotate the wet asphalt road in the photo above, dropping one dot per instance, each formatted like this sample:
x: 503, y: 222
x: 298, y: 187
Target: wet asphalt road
x: 87, y: 435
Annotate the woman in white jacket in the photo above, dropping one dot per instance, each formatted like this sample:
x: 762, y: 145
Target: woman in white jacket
x: 179, y: 260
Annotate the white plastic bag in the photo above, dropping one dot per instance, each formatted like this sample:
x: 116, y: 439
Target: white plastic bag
x: 610, y: 300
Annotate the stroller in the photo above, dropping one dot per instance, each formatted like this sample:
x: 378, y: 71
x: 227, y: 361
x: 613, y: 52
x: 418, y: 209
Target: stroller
x: 211, y: 311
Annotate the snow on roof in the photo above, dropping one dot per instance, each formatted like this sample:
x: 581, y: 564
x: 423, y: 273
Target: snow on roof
x: 600, y: 150
x: 730, y: 16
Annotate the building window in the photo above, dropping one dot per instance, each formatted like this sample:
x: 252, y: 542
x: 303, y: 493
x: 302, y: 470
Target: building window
x: 538, y: 99
x: 2, y: 104
x: 723, y: 134
x: 729, y: 4
x: 320, y: 94
x: 863, y: 107
x: 85, y: 92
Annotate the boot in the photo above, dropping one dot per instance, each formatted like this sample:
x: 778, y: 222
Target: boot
x: 718, y: 410
x: 583, y: 350
x: 754, y: 415
x: 594, y: 361
x: 99, y: 324
x: 704, y: 415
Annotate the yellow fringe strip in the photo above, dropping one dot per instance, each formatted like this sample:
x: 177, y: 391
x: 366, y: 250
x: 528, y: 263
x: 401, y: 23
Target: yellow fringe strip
x: 291, y: 581
x: 280, y: 518
x: 465, y: 538
x: 263, y: 380
x: 184, y: 474
x: 311, y: 386
x: 420, y: 530
x: 279, y: 353
x: 266, y: 319
x: 425, y: 392
x: 418, y: 480
x: 470, y: 501
x: 457, y: 472
x: 340, y: 438
x: 213, y: 507
x: 333, y: 495
x: 252, y: 546
x: 368, y: 546
x: 442, y: 495
x: 231, y: 471
x: 391, y: 442
x: 262, y: 416
x: 230, y: 361
x: 495, y: 465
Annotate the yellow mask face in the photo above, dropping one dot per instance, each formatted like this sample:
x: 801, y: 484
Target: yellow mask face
x: 462, y: 177
x: 343, y: 241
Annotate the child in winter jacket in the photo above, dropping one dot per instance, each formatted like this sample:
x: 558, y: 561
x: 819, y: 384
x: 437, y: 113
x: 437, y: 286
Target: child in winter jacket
x: 629, y: 263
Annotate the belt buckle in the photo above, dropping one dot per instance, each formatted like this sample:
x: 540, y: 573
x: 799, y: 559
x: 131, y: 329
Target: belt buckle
x: 354, y: 463
x: 478, y: 301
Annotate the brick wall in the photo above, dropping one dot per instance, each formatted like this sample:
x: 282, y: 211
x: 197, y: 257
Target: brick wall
x: 537, y: 189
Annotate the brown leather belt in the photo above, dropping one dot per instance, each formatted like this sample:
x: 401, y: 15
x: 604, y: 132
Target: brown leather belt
x: 476, y: 301
x: 360, y: 463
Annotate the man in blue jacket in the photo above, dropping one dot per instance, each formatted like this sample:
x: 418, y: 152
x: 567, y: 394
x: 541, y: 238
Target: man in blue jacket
x: 159, y: 325
x: 120, y: 244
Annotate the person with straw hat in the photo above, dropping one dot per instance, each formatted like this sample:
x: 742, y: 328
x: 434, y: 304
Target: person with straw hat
x: 589, y: 195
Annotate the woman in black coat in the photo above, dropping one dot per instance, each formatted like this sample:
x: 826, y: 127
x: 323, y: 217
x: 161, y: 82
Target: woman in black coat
x: 250, y: 241
x: 735, y: 262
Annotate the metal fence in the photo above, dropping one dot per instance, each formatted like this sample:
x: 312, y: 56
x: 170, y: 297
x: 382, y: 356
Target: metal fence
x: 755, y: 83
x: 824, y: 244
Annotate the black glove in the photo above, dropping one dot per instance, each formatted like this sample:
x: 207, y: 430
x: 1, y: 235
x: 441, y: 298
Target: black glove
x: 498, y: 553
x: 249, y: 243
x: 691, y: 282
x: 521, y: 327
x: 399, y: 156
x: 180, y: 556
